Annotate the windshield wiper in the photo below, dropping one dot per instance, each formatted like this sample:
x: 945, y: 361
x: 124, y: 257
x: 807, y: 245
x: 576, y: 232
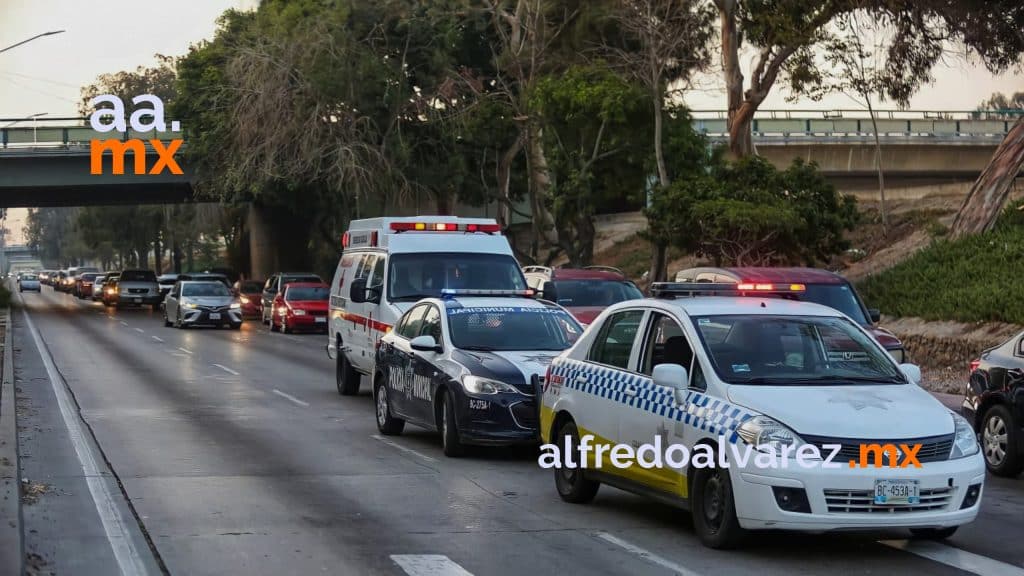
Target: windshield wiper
x: 478, y: 348
x: 834, y: 379
x: 404, y: 297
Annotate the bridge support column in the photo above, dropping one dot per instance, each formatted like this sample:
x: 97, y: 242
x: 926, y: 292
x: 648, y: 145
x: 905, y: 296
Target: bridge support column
x: 262, y: 249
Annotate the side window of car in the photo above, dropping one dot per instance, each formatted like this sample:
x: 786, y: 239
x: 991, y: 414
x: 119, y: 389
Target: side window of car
x: 614, y: 343
x: 410, y: 327
x: 432, y: 324
x: 665, y: 343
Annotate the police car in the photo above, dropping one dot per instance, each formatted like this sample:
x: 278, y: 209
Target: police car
x: 468, y: 365
x: 707, y: 369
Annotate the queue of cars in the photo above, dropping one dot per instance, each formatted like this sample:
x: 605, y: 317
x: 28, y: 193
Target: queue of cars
x: 454, y: 336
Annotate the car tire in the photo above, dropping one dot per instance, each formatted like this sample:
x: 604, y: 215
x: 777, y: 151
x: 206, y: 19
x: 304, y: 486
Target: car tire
x: 933, y: 533
x: 178, y: 322
x: 273, y: 327
x: 451, y: 445
x: 284, y: 327
x: 714, y: 509
x: 346, y: 377
x: 156, y: 307
x: 572, y: 484
x: 167, y: 322
x: 999, y: 442
x: 387, y: 423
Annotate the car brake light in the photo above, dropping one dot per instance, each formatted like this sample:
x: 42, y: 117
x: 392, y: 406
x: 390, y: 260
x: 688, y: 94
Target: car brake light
x: 974, y: 365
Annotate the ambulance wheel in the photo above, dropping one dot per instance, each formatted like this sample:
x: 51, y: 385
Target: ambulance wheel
x: 387, y: 423
x: 933, y: 533
x: 714, y: 509
x: 450, y: 442
x: 346, y: 377
x: 573, y: 486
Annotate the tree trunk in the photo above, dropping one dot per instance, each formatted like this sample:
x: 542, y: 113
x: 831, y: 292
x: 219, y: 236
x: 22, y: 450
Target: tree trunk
x: 740, y: 112
x: 985, y: 201
x: 158, y: 255
x: 540, y: 183
x: 444, y: 201
x: 504, y: 177
x: 881, y: 171
x: 176, y: 255
x: 659, y: 252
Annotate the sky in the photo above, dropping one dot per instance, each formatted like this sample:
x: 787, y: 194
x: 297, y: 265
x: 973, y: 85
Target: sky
x: 103, y: 36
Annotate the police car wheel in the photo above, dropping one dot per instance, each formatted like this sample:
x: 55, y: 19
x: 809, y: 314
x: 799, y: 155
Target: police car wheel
x: 387, y: 423
x: 572, y: 485
x: 449, y: 429
x: 345, y: 376
x: 934, y: 533
x: 714, y: 509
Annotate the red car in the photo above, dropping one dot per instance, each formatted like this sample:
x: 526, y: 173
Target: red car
x: 302, y: 306
x: 584, y: 292
x: 819, y: 286
x: 249, y: 293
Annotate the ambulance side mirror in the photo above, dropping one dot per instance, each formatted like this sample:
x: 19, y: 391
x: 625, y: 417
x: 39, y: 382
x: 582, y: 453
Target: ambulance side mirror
x: 358, y: 292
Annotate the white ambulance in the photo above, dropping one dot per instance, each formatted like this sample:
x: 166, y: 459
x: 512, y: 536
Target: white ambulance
x: 389, y: 264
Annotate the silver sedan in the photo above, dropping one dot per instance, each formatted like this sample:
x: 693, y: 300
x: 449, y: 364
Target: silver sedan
x: 194, y: 303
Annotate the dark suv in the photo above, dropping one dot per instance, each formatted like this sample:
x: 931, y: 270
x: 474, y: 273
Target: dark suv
x: 820, y: 286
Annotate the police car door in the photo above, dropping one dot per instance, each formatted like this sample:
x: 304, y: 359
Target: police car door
x: 425, y: 373
x: 649, y: 418
x: 399, y: 371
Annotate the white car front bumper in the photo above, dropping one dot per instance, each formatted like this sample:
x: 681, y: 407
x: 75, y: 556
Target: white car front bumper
x: 841, y: 498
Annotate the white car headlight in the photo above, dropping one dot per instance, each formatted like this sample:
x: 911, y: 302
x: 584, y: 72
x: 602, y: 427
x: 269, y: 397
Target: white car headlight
x: 236, y: 305
x: 190, y: 305
x: 478, y: 385
x: 965, y: 441
x: 762, y: 432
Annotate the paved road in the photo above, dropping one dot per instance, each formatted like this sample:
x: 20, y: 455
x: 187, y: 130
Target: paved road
x: 222, y: 452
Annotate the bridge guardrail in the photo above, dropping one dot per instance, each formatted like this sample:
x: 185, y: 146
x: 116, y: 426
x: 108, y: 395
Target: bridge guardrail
x: 64, y: 133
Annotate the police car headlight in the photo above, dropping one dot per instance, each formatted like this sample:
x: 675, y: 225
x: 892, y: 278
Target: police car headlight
x: 478, y: 385
x: 965, y: 442
x: 767, y: 435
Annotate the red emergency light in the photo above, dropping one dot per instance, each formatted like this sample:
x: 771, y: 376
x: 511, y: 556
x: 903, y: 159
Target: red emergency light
x: 443, y: 227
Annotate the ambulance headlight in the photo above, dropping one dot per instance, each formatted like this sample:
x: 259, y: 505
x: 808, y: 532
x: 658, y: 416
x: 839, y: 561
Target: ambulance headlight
x: 965, y: 443
x: 767, y: 435
x: 477, y: 385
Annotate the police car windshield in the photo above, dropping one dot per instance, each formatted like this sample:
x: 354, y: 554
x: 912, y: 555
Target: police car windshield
x: 415, y: 276
x: 512, y: 328
x: 794, y: 350
x: 581, y: 293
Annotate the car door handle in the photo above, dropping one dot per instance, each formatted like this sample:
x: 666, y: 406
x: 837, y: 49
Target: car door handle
x: 629, y: 391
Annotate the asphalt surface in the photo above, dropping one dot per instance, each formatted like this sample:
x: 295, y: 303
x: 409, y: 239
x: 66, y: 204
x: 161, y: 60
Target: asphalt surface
x: 230, y: 452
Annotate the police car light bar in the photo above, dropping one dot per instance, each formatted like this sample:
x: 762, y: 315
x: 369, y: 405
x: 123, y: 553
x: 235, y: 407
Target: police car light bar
x: 677, y: 289
x: 452, y: 292
x: 443, y: 227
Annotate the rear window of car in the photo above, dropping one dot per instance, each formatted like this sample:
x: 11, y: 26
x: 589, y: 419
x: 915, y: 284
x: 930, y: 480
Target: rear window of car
x: 250, y: 287
x: 89, y: 276
x: 138, y: 276
x: 303, y: 293
x: 294, y: 279
x: 29, y: 277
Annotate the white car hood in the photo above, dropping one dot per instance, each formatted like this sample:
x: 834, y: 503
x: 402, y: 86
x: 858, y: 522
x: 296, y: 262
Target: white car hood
x: 890, y: 412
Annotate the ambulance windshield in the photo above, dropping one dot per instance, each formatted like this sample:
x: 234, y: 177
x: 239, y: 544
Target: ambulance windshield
x: 414, y: 276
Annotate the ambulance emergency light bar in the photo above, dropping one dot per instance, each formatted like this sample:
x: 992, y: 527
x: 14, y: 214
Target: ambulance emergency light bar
x: 448, y: 293
x: 443, y: 227
x: 679, y: 289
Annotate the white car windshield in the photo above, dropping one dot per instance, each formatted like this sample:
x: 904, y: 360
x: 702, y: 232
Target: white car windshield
x: 207, y: 289
x: 794, y: 350
x: 512, y: 328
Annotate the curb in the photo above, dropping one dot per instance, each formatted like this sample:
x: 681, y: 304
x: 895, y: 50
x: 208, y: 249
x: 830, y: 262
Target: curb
x: 12, y: 553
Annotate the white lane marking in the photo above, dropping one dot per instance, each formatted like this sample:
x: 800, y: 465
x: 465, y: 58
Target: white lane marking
x: 646, y: 555
x: 158, y: 339
x: 428, y: 565
x: 290, y: 397
x: 403, y: 448
x: 184, y: 350
x: 226, y: 369
x: 955, y: 557
x: 140, y: 330
x: 125, y: 552
x: 123, y: 323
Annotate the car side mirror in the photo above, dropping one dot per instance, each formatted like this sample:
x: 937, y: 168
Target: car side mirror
x: 425, y: 343
x: 875, y: 315
x: 357, y: 291
x: 912, y: 372
x: 549, y: 292
x: 670, y: 376
x: 373, y: 295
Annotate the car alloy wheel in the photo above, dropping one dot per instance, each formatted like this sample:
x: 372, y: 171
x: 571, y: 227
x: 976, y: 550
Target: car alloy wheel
x: 713, y: 505
x: 994, y: 440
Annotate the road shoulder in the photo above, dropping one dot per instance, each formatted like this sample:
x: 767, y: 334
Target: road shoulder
x: 12, y: 552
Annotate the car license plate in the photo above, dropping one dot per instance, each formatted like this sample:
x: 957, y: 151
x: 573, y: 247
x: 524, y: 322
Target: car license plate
x: 137, y: 300
x: 897, y: 492
x: 321, y: 319
x: 214, y: 315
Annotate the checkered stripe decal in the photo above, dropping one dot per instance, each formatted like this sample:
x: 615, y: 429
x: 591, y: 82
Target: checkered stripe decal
x: 699, y: 410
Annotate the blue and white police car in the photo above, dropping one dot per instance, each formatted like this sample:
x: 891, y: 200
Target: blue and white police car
x: 837, y: 436
x: 468, y: 365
